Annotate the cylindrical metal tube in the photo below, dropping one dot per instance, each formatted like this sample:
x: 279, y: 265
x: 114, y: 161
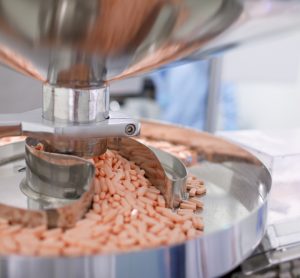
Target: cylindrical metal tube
x: 75, y: 106
x: 81, y: 147
x: 72, y: 106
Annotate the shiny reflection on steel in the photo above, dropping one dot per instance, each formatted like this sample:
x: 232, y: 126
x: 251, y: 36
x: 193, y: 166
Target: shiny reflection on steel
x: 75, y: 121
x: 235, y: 217
x: 103, y: 47
x: 31, y: 124
x: 85, y: 140
x: 59, y: 188
x: 76, y: 44
x: 79, y: 147
x: 176, y: 173
x: 74, y: 106
x: 77, y: 106
x: 53, y: 175
x: 166, y: 172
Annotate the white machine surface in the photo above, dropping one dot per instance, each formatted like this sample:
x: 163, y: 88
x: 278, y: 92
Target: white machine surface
x: 280, y: 152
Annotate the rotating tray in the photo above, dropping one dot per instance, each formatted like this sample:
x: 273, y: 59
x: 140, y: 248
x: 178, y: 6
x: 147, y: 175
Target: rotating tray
x: 235, y: 211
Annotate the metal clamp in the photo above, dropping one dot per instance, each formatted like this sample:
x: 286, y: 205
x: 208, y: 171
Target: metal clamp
x: 74, y: 121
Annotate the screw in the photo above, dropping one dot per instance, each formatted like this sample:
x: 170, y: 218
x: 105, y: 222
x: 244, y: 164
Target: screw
x: 130, y: 129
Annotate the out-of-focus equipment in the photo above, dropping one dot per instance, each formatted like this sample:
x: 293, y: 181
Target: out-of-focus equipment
x: 76, y: 48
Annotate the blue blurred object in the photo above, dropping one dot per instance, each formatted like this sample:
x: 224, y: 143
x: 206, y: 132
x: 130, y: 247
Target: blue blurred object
x: 228, y: 107
x: 182, y: 95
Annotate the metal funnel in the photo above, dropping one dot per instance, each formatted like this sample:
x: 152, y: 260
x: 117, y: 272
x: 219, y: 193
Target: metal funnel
x: 75, y: 43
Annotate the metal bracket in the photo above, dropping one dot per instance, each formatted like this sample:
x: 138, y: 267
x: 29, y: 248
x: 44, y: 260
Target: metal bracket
x: 73, y: 121
x: 65, y: 136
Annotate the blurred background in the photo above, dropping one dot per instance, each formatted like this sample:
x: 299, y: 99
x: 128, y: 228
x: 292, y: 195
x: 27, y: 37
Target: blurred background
x: 256, y: 86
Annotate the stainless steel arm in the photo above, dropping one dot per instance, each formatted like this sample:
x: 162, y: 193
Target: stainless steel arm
x: 74, y: 121
x: 80, y: 139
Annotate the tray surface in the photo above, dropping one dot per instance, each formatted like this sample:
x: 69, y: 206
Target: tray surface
x: 234, y: 214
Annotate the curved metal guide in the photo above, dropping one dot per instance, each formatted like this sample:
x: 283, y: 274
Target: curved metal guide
x: 164, y: 171
x: 59, y: 188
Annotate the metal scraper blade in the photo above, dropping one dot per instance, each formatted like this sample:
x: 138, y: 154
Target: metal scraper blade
x: 166, y: 172
x: 58, y: 189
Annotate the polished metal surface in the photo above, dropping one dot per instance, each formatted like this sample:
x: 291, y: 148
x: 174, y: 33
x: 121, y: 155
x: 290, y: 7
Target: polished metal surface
x: 78, y: 139
x: 61, y: 177
x: 72, y: 107
x: 57, y: 183
x: 176, y: 173
x: 76, y: 46
x: 235, y: 211
x: 79, y: 44
x: 76, y: 106
x: 80, y: 147
x: 56, y: 191
x: 164, y: 171
x: 73, y: 121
